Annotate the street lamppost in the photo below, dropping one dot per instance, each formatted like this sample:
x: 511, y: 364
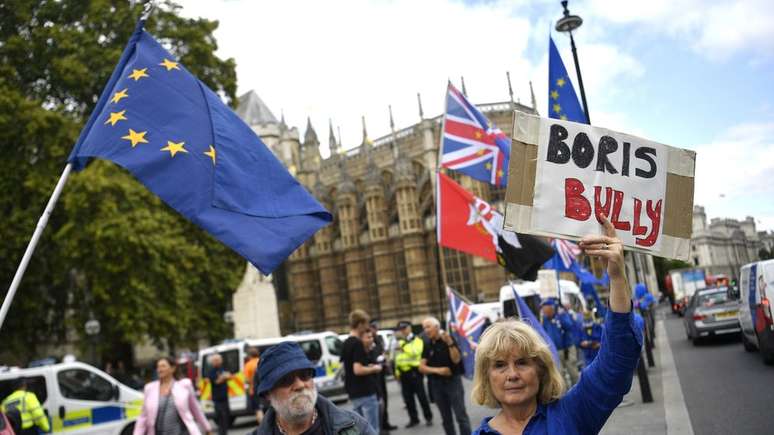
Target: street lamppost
x: 567, y: 24
x: 92, y: 328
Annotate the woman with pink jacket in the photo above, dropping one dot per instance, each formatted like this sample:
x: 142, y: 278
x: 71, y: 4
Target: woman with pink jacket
x: 170, y: 406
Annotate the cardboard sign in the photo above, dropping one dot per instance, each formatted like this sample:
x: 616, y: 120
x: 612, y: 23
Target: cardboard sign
x: 548, y: 284
x: 564, y: 174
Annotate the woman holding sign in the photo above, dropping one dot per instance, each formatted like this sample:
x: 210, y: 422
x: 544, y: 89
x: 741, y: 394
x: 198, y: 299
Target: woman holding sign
x: 516, y: 372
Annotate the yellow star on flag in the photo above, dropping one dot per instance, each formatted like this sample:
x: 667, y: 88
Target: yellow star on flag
x: 478, y: 134
x: 119, y: 95
x: 137, y: 74
x: 135, y: 137
x: 563, y: 117
x: 211, y: 154
x: 115, y: 117
x: 169, y: 65
x: 560, y: 82
x: 481, y: 152
x: 557, y: 108
x: 555, y: 95
x: 174, y: 148
x: 488, y: 166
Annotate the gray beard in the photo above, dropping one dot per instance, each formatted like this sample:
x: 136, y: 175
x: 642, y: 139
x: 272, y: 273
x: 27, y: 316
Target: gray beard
x: 297, y: 408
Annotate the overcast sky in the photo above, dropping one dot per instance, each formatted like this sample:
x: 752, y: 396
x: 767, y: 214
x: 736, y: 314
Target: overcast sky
x: 694, y: 74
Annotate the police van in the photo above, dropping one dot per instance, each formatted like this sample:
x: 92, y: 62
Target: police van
x: 756, y: 289
x: 322, y: 348
x: 78, y: 398
x: 529, y: 292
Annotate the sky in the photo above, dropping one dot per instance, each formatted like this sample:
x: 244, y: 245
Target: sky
x: 693, y: 74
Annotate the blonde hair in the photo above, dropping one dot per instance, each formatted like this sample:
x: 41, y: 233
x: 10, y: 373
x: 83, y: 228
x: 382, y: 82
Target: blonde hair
x: 497, y: 342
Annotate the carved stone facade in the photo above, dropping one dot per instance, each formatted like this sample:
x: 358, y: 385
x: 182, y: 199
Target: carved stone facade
x: 380, y: 253
x: 725, y: 245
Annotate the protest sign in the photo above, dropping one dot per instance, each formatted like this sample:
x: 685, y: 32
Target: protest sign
x: 562, y: 175
x: 548, y: 284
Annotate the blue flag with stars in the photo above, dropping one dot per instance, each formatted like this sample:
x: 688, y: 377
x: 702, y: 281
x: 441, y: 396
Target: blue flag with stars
x: 175, y: 135
x: 562, y: 100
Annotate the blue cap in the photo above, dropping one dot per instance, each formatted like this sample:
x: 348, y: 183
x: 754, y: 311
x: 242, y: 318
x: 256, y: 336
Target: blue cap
x: 279, y: 360
x: 549, y: 301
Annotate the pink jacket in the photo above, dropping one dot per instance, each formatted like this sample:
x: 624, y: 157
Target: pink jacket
x: 185, y: 401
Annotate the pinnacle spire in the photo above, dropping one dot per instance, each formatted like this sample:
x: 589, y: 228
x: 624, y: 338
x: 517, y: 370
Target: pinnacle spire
x: 510, y: 88
x: 421, y: 112
x: 464, y: 91
x: 532, y: 95
x: 332, y: 145
x: 366, y: 140
x: 310, y: 137
x: 392, y: 122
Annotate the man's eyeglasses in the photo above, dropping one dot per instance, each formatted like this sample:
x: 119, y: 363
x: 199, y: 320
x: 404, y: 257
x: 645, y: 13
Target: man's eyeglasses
x: 288, y: 380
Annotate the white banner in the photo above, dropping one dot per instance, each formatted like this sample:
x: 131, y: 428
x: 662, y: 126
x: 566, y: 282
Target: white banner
x: 585, y: 171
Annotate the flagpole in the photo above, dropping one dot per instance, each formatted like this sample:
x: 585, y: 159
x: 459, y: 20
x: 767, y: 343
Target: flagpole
x: 25, y: 261
x: 441, y: 263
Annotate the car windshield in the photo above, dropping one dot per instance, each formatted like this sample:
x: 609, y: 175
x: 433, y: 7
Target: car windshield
x: 712, y: 299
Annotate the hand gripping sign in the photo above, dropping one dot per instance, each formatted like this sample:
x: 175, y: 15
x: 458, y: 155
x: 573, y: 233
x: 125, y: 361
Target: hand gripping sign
x: 563, y: 175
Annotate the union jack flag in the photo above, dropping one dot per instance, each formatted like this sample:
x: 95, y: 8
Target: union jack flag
x: 466, y: 326
x: 565, y: 253
x: 471, y: 144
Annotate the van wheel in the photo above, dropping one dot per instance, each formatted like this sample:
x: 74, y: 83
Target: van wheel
x: 749, y: 347
x: 128, y: 429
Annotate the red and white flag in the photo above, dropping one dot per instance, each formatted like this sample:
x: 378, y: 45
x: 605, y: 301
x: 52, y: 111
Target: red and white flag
x: 465, y: 222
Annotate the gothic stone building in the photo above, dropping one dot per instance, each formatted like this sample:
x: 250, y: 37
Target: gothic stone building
x: 380, y: 253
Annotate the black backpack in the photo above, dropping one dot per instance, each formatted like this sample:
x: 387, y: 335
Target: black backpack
x: 13, y: 414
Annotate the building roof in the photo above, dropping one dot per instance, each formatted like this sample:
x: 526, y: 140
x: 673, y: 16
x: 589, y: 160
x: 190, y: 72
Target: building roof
x: 254, y: 111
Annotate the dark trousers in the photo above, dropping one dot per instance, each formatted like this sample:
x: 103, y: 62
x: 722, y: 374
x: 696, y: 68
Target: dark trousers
x: 384, y: 415
x: 411, y: 384
x: 222, y: 416
x: 449, y: 395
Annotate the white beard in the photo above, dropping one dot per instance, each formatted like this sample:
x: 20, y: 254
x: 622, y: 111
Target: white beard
x: 298, y: 407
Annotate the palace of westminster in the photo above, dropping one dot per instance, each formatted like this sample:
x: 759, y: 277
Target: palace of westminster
x: 380, y: 252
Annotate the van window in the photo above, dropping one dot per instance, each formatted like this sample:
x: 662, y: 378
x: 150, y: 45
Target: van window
x: 35, y: 384
x: 334, y: 345
x: 312, y: 349
x: 768, y: 272
x: 231, y: 362
x: 83, y: 384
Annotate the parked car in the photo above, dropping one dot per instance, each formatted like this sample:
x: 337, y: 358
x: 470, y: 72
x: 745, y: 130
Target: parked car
x: 711, y: 312
x: 755, y: 317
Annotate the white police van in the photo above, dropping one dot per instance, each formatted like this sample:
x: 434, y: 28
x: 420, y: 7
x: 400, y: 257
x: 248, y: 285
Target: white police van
x: 78, y: 398
x: 756, y: 290
x: 322, y: 348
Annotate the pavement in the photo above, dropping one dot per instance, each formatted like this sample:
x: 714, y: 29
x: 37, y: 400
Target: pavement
x: 665, y: 415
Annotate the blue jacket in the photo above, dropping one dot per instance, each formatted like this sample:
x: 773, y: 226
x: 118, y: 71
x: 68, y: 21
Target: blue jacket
x: 592, y: 331
x: 587, y: 406
x: 645, y: 300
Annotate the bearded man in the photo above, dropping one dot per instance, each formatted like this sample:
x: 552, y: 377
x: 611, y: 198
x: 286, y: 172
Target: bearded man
x: 287, y: 380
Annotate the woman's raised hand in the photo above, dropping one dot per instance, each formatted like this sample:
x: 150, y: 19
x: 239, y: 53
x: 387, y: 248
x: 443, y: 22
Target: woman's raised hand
x: 609, y: 248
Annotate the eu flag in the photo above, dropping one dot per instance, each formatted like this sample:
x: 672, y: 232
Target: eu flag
x: 176, y: 136
x: 562, y: 100
x: 526, y: 315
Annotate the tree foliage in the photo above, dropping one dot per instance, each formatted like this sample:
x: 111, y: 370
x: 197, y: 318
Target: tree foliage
x: 111, y: 249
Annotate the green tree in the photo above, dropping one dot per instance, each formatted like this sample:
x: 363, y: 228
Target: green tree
x: 111, y: 249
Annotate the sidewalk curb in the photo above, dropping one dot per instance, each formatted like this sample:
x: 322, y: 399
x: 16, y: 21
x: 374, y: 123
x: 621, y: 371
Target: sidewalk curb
x: 677, y: 419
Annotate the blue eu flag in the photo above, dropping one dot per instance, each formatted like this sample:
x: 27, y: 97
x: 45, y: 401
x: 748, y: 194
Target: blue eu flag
x: 526, y: 315
x: 176, y: 136
x: 562, y: 100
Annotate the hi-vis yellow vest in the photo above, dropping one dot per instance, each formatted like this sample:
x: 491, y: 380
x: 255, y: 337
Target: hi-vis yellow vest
x: 29, y: 408
x: 409, y: 354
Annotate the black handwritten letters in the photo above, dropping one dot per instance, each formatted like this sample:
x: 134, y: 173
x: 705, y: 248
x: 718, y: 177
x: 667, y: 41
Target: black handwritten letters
x: 581, y: 201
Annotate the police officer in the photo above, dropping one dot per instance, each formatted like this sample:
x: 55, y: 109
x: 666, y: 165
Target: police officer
x: 27, y: 405
x: 408, y: 356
